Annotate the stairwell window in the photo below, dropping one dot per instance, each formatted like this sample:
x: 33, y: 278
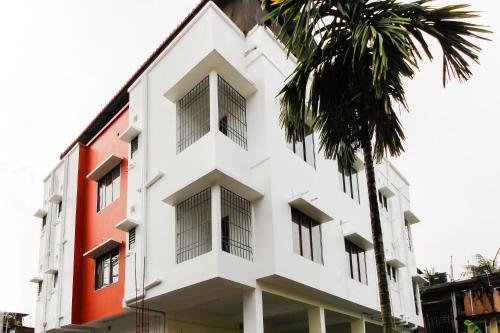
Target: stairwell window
x: 305, y: 148
x: 349, y: 182
x: 108, y: 188
x: 131, y: 239
x: 232, y: 113
x: 193, y: 226
x: 356, y: 262
x: 236, y: 225
x: 307, y: 236
x: 193, y: 115
x: 107, y: 269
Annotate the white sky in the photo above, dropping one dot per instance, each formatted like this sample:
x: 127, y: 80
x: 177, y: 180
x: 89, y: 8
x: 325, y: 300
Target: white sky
x: 61, y: 62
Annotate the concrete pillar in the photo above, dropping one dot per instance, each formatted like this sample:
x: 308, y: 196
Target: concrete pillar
x: 253, y: 313
x: 358, y: 325
x: 316, y: 317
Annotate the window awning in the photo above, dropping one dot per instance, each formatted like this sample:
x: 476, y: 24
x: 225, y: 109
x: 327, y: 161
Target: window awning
x: 359, y: 240
x: 419, y: 279
x: 395, y: 262
x: 309, y: 208
x: 106, y: 166
x: 386, y: 191
x: 102, y: 248
x: 126, y: 224
x: 41, y: 213
x: 55, y: 198
x: 130, y: 133
x: 411, y: 217
x: 50, y: 270
x: 36, y: 279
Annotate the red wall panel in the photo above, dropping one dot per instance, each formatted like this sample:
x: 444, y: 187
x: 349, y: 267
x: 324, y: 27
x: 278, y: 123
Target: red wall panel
x: 93, y: 227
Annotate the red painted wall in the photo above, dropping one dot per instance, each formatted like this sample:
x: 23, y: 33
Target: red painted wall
x: 93, y: 227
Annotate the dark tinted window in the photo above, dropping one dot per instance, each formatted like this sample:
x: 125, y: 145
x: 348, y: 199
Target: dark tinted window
x: 356, y: 262
x: 107, y: 269
x: 307, y: 236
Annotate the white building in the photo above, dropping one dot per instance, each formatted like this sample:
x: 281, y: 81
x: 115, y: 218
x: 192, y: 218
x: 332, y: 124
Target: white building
x: 183, y: 192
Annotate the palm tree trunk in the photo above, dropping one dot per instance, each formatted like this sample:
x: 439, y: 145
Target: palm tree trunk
x: 378, y: 242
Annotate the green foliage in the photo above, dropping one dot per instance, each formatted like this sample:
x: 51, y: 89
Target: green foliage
x: 352, y: 58
x: 482, y: 266
x: 473, y: 327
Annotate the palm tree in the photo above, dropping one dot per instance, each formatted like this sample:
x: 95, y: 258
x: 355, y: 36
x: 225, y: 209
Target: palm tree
x: 482, y: 266
x: 352, y: 56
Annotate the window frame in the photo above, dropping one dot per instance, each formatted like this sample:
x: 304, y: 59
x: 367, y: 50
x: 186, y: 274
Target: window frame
x: 106, y: 186
x: 306, y: 224
x: 100, y: 269
x: 349, y: 184
x: 361, y: 273
x: 134, y: 147
x: 302, y: 153
x: 132, y: 240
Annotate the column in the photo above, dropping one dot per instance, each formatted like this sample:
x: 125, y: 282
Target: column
x: 253, y: 314
x: 358, y: 325
x: 316, y: 317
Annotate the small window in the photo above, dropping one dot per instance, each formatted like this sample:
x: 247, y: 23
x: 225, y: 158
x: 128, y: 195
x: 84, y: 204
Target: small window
x: 307, y: 236
x: 409, y: 240
x: 107, y: 269
x: 349, y: 182
x: 392, y: 273
x: 134, y: 146
x: 382, y: 200
x: 356, y: 262
x: 108, y: 188
x: 55, y: 279
x: 40, y: 286
x: 416, y: 298
x: 44, y: 222
x: 131, y: 239
x: 59, y: 210
x: 305, y: 149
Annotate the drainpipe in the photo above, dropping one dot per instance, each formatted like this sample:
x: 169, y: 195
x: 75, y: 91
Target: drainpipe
x: 62, y: 241
x: 161, y: 315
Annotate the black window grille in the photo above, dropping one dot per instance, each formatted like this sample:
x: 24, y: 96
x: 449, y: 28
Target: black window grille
x: 236, y: 225
x: 356, y: 261
x: 349, y: 182
x: 131, y: 239
x: 134, y: 147
x: 107, y: 269
x: 193, y: 115
x: 305, y: 148
x: 193, y: 226
x: 108, y: 188
x: 232, y: 113
x: 307, y: 237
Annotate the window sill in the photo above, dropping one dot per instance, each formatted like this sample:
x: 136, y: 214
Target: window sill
x: 104, y: 287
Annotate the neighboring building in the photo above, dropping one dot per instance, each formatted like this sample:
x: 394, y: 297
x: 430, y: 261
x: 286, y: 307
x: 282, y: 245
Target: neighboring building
x: 182, y: 192
x: 447, y: 305
x: 13, y: 322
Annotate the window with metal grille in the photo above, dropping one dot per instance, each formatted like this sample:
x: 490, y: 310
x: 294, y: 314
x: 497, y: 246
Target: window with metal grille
x: 134, y: 146
x: 193, y: 115
x: 305, y: 148
x: 40, y: 286
x: 307, y: 237
x: 356, y: 261
x: 108, y: 188
x: 131, y: 239
x: 349, y: 182
x: 107, y: 269
x: 232, y: 113
x: 236, y: 225
x: 193, y: 227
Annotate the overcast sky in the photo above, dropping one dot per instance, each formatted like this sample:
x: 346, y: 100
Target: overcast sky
x: 61, y: 61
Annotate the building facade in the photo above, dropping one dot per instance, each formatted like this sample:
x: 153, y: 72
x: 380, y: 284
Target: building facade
x: 181, y: 207
x: 447, y: 305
